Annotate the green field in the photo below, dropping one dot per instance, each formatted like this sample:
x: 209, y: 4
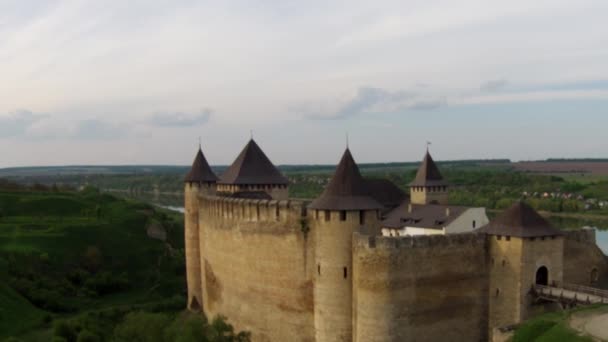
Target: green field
x: 75, y: 264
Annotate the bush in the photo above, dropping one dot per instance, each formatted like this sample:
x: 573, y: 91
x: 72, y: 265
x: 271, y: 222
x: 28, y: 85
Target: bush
x: 92, y: 259
x: 87, y: 336
x: 193, y: 328
x: 63, y: 329
x: 141, y: 326
x: 105, y: 283
x: 12, y: 339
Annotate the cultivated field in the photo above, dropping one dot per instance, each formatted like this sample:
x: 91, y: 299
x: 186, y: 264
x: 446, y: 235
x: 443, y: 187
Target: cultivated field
x: 573, y: 167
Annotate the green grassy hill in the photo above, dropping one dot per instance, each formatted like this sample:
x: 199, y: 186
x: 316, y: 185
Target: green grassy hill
x: 66, y: 254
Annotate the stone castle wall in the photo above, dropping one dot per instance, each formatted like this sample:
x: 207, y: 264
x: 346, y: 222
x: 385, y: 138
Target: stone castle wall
x: 424, y: 288
x: 257, y: 258
x: 581, y: 257
x: 261, y: 262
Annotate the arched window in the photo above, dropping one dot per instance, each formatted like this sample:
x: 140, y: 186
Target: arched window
x: 595, y: 276
x: 345, y: 272
x: 474, y: 224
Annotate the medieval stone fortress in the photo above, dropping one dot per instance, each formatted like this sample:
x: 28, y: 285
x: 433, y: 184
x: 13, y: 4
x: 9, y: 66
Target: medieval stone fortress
x: 366, y: 262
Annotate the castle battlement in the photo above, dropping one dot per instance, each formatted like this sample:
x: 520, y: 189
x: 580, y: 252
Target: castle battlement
x: 585, y: 235
x: 252, y: 210
x: 361, y: 240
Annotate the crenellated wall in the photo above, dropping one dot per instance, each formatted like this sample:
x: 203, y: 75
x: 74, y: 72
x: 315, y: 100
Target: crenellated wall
x: 285, y: 274
x: 423, y: 288
x: 581, y: 257
x: 258, y: 258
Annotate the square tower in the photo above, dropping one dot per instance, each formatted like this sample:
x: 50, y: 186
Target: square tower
x: 525, y: 251
x: 429, y: 187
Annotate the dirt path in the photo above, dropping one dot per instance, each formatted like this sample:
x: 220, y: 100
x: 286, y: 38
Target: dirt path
x: 593, y: 324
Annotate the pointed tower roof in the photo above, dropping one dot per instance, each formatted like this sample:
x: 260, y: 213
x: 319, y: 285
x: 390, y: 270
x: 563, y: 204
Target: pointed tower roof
x: 200, y: 171
x: 520, y: 220
x: 428, y: 173
x: 347, y: 190
x: 252, y: 167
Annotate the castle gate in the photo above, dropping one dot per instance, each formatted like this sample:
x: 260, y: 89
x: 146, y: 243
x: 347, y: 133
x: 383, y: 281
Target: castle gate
x: 542, y: 276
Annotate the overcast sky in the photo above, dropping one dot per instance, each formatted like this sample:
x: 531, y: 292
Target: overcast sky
x: 137, y: 82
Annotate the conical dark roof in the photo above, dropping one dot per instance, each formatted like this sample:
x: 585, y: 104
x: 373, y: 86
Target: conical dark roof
x: 520, y: 220
x: 200, y: 171
x: 347, y: 190
x: 428, y: 173
x: 252, y: 167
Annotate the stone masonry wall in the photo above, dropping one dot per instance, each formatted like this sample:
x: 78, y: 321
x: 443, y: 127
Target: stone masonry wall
x: 581, y: 257
x: 423, y: 288
x: 257, y: 258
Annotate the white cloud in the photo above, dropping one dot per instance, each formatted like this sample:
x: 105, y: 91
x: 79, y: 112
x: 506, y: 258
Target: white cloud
x: 179, y: 119
x: 105, y: 66
x: 17, y: 122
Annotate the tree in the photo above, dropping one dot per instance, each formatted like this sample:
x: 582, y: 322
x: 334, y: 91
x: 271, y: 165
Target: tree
x: 142, y: 327
x: 87, y: 336
x: 92, y: 259
x: 192, y: 328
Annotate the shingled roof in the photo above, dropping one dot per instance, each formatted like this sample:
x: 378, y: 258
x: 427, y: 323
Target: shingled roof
x: 385, y: 192
x: 347, y: 190
x: 200, y: 171
x: 428, y: 173
x: 433, y: 216
x: 520, y: 220
x: 252, y: 167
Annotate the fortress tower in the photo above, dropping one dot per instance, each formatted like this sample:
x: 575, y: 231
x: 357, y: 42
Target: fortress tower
x: 252, y: 175
x: 429, y: 187
x: 200, y: 180
x: 344, y: 206
x: 524, y: 250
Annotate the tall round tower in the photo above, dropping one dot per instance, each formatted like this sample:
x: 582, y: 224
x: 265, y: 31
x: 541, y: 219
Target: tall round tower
x: 344, y: 207
x: 200, y: 180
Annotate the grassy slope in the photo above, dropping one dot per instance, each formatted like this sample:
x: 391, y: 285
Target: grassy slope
x: 552, y: 327
x: 16, y: 313
x: 46, y: 235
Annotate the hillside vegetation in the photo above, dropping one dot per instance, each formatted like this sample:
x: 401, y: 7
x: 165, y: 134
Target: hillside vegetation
x: 84, y: 267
